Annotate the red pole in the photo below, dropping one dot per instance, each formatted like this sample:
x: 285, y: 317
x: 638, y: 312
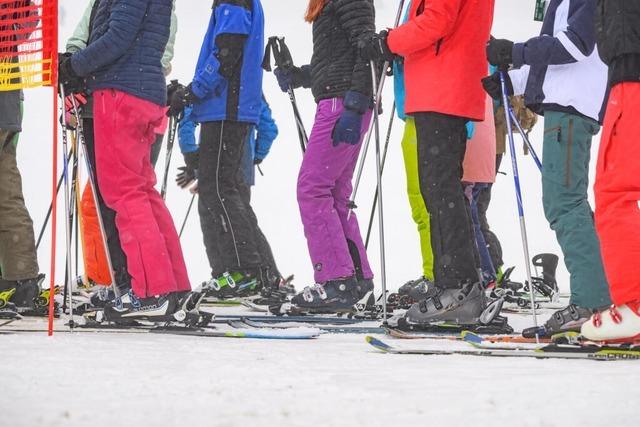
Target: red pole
x: 54, y: 82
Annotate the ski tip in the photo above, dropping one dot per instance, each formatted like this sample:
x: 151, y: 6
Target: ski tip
x: 377, y: 343
x: 471, y: 337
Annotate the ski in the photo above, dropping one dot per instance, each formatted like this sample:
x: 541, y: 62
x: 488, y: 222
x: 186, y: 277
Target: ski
x: 464, y: 335
x: 332, y: 329
x: 311, y: 319
x: 271, y: 334
x: 551, y: 351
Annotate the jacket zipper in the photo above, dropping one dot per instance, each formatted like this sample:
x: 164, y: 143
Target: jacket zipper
x: 569, y: 153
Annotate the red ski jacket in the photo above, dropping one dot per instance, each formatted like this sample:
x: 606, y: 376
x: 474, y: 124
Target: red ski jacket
x: 443, y: 45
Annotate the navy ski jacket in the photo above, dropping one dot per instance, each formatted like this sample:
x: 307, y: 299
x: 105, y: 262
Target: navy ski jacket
x: 128, y: 39
x: 561, y: 70
x: 228, y: 77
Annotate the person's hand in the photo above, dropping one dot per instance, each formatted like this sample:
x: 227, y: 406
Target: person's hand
x: 375, y: 48
x: 500, y: 53
x: 67, y: 76
x: 180, y: 97
x: 348, y: 128
x: 493, y: 86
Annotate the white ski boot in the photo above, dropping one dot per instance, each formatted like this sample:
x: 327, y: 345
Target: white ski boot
x: 619, y: 324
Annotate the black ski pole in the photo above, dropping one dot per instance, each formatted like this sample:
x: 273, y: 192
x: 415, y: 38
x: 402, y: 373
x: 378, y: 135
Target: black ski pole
x: 171, y: 137
x: 186, y: 217
x: 384, y: 160
x: 284, y: 61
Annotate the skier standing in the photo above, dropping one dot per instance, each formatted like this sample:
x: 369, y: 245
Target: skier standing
x: 617, y: 188
x: 552, y: 71
x: 123, y: 70
x: 443, y: 49
x: 20, y: 281
x: 96, y: 266
x: 341, y: 84
x: 226, y: 94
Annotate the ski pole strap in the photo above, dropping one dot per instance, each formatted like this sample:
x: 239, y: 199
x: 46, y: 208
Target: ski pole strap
x: 281, y: 54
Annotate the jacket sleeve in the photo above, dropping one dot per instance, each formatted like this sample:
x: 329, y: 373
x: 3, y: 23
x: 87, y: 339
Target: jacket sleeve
x: 357, y: 18
x: 187, y: 133
x: 124, y: 22
x: 232, y: 27
x: 572, y: 44
x: 436, y: 21
x: 80, y: 37
x: 167, y: 57
x: 267, y: 132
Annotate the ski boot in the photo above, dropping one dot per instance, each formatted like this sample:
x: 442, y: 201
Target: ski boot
x: 568, y: 319
x: 232, y: 285
x: 23, y: 294
x: 461, y: 306
x: 330, y: 297
x: 617, y: 325
x: 410, y: 293
x: 128, y: 309
x: 275, y: 290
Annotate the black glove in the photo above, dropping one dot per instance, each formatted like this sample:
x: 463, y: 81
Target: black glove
x: 375, y: 48
x: 500, y: 52
x: 257, y: 161
x: 293, y: 77
x: 171, y: 89
x: 67, y: 77
x: 493, y: 86
x: 189, y: 173
x: 181, y: 97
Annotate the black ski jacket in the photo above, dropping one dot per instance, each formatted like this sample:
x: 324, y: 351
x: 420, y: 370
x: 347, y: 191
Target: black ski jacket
x: 618, y: 32
x: 336, y: 66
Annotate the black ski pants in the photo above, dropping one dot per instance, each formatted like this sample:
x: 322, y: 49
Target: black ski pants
x: 232, y: 237
x: 493, y: 243
x: 442, y: 141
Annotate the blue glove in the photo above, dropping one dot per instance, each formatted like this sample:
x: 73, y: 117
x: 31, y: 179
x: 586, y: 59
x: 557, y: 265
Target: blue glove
x: 471, y: 129
x: 348, y: 128
x: 294, y: 77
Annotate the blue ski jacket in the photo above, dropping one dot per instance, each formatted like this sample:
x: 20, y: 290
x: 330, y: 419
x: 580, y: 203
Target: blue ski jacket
x: 124, y: 52
x: 561, y: 70
x: 228, y: 77
x: 259, y: 144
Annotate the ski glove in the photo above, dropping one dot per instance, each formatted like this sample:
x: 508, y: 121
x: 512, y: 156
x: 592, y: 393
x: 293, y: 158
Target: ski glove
x: 493, y: 86
x: 68, y: 78
x: 181, y: 97
x: 348, y: 128
x: 500, y: 52
x: 375, y: 48
x: 293, y: 78
x: 189, y: 173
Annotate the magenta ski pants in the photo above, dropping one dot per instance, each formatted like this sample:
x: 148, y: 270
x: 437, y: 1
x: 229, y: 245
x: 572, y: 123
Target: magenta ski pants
x: 324, y: 188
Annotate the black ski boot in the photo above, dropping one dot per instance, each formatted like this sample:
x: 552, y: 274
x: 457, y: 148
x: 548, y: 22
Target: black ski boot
x: 275, y: 290
x: 461, y: 306
x: 411, y: 293
x: 333, y: 296
x: 23, y: 294
x: 172, y: 307
x: 233, y: 285
x: 569, y: 319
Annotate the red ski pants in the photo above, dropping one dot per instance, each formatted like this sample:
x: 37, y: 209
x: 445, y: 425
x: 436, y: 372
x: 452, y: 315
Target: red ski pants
x: 617, y: 191
x: 124, y: 132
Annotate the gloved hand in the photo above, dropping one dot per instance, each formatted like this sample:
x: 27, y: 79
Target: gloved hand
x: 375, y: 48
x: 257, y: 161
x: 67, y: 77
x: 293, y: 77
x: 70, y: 119
x: 348, y: 128
x: 493, y: 86
x: 500, y: 53
x: 181, y: 97
x: 189, y: 173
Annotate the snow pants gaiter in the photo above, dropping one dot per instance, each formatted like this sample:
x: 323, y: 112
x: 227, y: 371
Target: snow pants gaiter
x: 124, y: 132
x: 229, y: 226
x: 18, y: 258
x: 442, y: 143
x: 565, y: 181
x: 95, y: 260
x: 419, y: 211
x: 324, y: 189
x: 617, y: 191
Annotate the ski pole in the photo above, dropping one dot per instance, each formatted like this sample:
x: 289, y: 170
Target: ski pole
x: 516, y: 179
x: 384, y: 161
x: 383, y: 265
x: 171, y: 136
x: 96, y: 202
x: 186, y: 217
x: 378, y: 96
x: 515, y: 121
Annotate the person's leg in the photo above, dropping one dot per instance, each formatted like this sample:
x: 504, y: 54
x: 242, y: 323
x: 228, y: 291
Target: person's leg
x: 18, y: 259
x: 122, y: 144
x: 322, y: 166
x: 617, y: 191
x: 117, y: 254
x: 341, y: 195
x: 488, y: 269
x: 565, y: 181
x: 228, y: 225
x: 419, y: 211
x: 441, y: 149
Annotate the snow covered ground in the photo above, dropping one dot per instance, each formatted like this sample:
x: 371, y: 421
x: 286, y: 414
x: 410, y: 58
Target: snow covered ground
x: 105, y: 379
